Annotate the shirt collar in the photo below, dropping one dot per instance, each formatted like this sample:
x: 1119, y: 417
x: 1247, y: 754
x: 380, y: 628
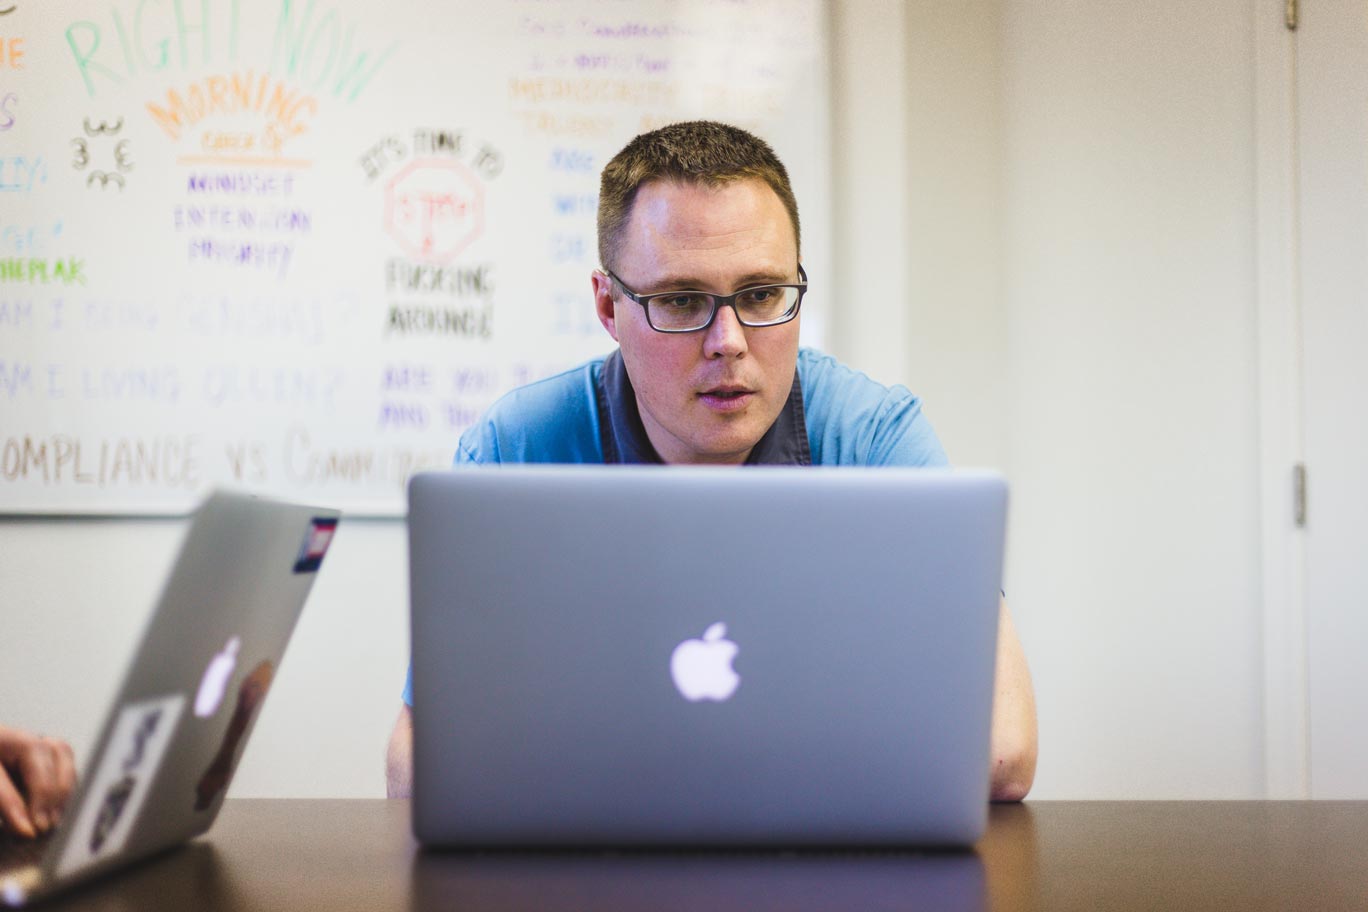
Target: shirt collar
x: 624, y: 439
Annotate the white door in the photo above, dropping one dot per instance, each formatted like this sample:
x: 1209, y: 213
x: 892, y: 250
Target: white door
x: 1332, y: 103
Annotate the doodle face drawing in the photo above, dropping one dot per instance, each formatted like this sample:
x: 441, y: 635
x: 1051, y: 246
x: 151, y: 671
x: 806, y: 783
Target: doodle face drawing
x: 123, y: 163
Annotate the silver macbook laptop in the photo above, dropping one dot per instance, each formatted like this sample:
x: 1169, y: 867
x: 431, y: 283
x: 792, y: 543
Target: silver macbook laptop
x: 178, y: 724
x: 703, y: 656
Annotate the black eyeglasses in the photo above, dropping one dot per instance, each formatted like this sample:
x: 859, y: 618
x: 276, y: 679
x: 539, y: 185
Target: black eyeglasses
x: 690, y: 311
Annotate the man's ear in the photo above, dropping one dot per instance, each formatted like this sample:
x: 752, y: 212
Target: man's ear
x: 603, y: 302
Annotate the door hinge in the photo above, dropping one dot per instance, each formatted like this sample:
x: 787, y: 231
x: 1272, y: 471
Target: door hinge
x: 1291, y: 14
x: 1299, y: 495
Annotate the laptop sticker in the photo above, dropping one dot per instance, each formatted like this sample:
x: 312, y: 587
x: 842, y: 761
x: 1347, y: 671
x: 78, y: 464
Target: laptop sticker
x: 316, y: 542
x: 122, y: 781
x: 220, y: 772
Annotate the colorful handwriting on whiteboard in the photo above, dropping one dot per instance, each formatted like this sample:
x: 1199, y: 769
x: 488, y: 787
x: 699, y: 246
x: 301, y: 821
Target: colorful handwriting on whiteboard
x: 254, y: 98
x: 19, y: 173
x: 244, y: 219
x: 11, y: 58
x: 312, y: 44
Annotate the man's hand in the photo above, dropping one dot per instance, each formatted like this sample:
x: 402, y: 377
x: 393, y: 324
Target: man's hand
x: 36, y: 777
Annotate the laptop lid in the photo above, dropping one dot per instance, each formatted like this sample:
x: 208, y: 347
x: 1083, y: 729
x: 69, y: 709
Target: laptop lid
x: 177, y: 727
x: 672, y: 655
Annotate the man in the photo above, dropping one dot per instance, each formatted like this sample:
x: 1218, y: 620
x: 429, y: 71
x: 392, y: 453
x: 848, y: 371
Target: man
x: 701, y: 287
x: 36, y: 777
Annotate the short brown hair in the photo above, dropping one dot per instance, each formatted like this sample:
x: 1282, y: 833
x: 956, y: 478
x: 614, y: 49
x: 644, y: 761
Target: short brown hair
x: 697, y: 152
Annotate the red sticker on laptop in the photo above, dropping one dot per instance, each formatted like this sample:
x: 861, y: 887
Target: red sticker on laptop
x: 316, y: 542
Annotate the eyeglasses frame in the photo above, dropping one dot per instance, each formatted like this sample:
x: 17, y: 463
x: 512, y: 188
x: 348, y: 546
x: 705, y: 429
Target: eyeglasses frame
x: 719, y: 301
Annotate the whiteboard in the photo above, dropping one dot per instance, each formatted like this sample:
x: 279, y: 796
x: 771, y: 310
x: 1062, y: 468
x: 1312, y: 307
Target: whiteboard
x: 298, y: 246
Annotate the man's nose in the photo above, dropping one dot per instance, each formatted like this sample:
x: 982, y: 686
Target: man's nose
x: 725, y: 336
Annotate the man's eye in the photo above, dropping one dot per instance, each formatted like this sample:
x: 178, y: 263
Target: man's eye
x: 683, y: 301
x: 756, y: 296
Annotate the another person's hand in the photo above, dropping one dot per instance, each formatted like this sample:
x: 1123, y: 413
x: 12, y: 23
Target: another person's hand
x: 37, y: 775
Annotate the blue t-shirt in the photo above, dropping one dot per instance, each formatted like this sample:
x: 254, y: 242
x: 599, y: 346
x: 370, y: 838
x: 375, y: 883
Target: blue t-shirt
x: 835, y: 416
x: 849, y: 418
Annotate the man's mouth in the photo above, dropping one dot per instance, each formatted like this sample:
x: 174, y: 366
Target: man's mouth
x: 726, y: 398
x: 728, y: 389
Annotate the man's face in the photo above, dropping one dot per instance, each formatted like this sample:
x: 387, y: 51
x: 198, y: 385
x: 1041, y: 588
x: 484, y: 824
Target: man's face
x: 705, y: 396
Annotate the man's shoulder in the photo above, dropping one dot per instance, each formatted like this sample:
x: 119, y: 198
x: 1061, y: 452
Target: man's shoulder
x: 818, y: 366
x: 571, y: 388
x: 853, y: 419
x: 835, y: 390
x: 554, y: 419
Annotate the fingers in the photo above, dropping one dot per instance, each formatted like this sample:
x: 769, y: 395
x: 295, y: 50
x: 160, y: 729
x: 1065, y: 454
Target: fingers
x: 12, y: 809
x: 66, y: 777
x: 45, y: 782
x: 45, y: 769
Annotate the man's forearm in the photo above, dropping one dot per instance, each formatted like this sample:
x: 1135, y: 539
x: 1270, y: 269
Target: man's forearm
x: 399, y: 757
x: 1014, y: 742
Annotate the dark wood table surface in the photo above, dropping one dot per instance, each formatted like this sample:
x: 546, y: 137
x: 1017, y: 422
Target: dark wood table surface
x: 1057, y: 856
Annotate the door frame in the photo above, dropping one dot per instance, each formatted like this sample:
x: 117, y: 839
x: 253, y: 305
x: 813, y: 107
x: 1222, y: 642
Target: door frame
x: 1286, y: 669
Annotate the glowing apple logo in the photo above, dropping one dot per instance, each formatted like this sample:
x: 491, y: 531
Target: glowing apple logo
x: 702, y: 669
x: 215, y: 680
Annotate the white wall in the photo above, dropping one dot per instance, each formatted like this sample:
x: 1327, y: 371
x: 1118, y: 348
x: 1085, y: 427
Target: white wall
x: 917, y: 153
x: 1072, y: 291
x: 1079, y: 254
x: 1129, y: 277
x: 958, y: 335
x: 869, y: 178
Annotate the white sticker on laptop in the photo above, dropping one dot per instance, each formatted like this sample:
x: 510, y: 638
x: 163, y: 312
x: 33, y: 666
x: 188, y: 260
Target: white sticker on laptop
x: 122, y: 781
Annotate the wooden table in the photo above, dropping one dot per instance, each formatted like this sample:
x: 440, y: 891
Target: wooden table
x: 1056, y: 856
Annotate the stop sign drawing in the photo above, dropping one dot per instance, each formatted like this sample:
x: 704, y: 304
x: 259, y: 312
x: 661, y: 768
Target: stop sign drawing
x: 434, y: 208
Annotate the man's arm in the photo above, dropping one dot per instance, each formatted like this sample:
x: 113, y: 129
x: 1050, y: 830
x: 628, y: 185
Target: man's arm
x: 1014, y: 739
x: 36, y: 777
x: 399, y: 758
